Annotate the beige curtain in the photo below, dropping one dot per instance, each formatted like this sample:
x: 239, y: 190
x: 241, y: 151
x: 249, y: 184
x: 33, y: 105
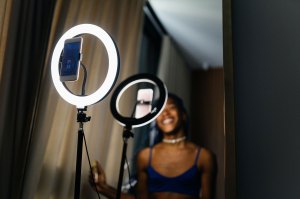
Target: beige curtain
x: 51, y: 168
x: 5, y: 11
x: 174, y: 71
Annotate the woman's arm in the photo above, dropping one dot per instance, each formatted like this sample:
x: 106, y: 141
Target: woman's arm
x: 208, y: 166
x: 142, y: 164
x: 101, y: 185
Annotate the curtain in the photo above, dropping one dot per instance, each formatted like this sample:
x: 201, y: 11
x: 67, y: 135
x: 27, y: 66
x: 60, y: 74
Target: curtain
x: 38, y: 128
x: 24, y: 40
x: 5, y: 10
x: 174, y: 70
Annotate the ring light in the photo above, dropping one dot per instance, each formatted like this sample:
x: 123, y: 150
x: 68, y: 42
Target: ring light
x: 113, y: 66
x: 135, y: 79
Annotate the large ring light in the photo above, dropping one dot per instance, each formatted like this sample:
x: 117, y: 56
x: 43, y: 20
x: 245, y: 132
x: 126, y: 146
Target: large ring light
x: 135, y: 79
x: 113, y: 66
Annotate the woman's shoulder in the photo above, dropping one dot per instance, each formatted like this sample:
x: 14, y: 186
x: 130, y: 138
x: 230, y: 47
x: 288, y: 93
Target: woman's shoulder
x: 194, y: 147
x: 205, y: 155
x: 201, y: 149
x: 144, y: 152
x: 143, y: 155
x: 206, y: 158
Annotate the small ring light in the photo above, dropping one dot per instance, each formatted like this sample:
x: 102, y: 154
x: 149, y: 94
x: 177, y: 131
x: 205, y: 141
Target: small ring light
x: 113, y: 66
x: 135, y: 79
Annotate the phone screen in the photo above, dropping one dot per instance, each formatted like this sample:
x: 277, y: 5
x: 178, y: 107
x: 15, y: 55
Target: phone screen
x: 71, y: 59
x: 144, y: 102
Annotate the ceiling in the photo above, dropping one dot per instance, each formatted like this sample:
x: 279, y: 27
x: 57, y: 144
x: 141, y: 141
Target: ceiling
x: 196, y: 27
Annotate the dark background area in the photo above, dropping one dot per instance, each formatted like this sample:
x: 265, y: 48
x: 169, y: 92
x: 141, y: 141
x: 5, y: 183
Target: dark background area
x: 266, y: 47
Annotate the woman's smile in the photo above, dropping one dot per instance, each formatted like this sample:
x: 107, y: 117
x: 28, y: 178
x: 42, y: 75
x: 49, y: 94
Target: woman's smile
x: 167, y: 121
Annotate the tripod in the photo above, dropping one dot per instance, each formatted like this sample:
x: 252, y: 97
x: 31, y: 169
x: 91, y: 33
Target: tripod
x: 81, y: 119
x: 126, y: 135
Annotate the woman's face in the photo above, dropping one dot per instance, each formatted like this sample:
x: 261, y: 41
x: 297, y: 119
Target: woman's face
x: 170, y: 120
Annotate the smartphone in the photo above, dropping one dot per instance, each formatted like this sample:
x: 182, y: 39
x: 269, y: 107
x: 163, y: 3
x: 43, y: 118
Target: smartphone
x: 71, y: 58
x: 144, y: 102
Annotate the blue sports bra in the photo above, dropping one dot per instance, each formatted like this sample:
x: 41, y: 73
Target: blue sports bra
x: 188, y: 183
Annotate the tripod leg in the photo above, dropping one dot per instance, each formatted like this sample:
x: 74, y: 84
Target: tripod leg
x: 121, y: 170
x: 78, y: 164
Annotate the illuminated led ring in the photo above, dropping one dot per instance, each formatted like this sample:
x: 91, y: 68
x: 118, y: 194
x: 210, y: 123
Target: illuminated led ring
x: 113, y: 66
x: 139, y: 78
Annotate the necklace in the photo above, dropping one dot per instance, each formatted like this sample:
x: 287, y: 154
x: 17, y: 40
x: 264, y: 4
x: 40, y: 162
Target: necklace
x: 174, y: 141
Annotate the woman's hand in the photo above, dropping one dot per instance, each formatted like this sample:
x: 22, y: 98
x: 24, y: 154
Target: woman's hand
x: 98, y: 182
x: 97, y: 177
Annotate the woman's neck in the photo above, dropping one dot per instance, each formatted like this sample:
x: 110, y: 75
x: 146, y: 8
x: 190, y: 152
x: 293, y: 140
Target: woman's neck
x: 174, y: 141
x: 175, y: 137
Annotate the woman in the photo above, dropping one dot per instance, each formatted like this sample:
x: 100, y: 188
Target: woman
x: 174, y: 168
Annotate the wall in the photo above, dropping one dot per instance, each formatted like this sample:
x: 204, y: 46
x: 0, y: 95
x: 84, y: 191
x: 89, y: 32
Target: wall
x: 207, y: 125
x: 266, y: 56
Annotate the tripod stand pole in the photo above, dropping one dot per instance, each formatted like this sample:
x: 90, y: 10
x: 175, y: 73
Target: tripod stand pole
x: 121, y: 173
x: 126, y: 135
x: 81, y: 118
x: 78, y: 162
